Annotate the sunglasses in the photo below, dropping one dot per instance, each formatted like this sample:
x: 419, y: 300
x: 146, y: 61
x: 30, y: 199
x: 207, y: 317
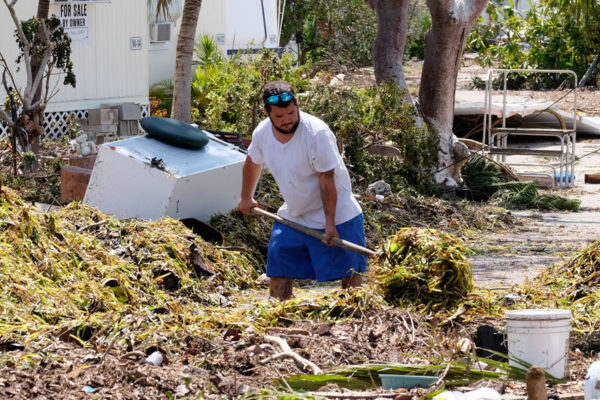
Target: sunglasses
x: 281, y: 98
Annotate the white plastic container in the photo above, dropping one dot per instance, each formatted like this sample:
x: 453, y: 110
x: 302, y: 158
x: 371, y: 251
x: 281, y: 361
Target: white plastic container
x: 540, y: 337
x: 477, y: 394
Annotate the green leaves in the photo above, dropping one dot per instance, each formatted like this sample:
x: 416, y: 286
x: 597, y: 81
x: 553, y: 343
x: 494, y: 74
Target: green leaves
x: 374, y: 115
x: 226, y: 93
x: 559, y: 34
x: 60, y: 44
x: 424, y: 266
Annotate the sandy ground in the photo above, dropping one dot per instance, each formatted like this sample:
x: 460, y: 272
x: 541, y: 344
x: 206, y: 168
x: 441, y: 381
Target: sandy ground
x: 506, y: 258
x: 503, y: 259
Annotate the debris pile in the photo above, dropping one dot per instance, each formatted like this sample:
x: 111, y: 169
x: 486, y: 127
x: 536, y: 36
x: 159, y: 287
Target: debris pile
x: 574, y: 285
x: 78, y: 274
x: 424, y: 266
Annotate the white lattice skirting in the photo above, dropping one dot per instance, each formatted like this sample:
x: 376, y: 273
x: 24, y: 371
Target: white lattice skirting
x: 57, y: 123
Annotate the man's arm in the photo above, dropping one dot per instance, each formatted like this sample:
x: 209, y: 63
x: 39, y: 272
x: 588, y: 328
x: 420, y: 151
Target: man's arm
x: 250, y: 174
x: 329, y: 198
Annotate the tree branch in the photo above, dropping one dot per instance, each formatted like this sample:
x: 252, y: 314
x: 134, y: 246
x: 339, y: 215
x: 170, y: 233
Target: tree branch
x: 3, y: 114
x: 26, y: 43
x: 6, y: 118
x: 47, y: 54
x: 287, y: 352
x: 10, y: 75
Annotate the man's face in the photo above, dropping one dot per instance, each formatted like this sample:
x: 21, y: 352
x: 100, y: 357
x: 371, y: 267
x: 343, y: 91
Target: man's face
x: 284, y: 119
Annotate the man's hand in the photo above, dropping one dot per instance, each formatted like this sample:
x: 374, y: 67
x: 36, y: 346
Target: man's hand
x: 246, y: 205
x: 330, y: 232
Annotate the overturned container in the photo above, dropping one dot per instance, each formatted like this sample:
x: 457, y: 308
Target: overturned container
x: 539, y: 337
x: 142, y: 177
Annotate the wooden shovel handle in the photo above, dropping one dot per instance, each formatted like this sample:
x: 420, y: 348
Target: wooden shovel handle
x: 344, y: 244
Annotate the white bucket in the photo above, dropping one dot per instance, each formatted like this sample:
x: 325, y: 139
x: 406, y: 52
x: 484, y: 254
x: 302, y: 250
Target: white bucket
x: 539, y: 337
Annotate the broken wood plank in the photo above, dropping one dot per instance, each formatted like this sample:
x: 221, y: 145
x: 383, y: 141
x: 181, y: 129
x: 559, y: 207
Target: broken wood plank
x: 592, y: 178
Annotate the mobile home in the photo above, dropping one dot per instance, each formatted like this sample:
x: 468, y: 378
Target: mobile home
x: 110, y: 42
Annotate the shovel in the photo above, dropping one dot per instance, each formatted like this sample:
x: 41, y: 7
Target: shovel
x: 344, y: 244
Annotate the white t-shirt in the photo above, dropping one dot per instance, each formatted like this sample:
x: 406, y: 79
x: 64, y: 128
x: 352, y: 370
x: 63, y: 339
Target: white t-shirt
x: 295, y: 165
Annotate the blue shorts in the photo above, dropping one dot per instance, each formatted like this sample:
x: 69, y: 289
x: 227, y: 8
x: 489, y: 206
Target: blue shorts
x: 293, y: 254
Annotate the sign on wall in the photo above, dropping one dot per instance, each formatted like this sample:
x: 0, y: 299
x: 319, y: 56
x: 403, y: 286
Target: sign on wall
x: 78, y: 1
x: 135, y: 43
x: 74, y: 18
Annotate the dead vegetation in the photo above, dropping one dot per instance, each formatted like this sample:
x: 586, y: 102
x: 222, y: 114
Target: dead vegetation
x: 86, y: 298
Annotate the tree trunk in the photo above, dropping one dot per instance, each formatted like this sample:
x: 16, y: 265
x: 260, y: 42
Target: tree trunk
x: 36, y: 61
x: 388, y: 49
x: 182, y: 103
x: 43, y: 9
x: 451, y: 23
x: 589, y: 72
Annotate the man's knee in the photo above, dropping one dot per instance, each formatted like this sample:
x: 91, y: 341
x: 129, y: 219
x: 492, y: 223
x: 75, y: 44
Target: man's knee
x: 280, y: 288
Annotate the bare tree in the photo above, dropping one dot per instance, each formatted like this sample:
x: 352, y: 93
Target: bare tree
x: 45, y: 41
x: 43, y: 9
x: 36, y: 64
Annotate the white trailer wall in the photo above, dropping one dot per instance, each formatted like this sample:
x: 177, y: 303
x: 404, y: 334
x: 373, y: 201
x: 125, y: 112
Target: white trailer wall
x: 110, y: 60
x: 251, y: 24
x: 233, y: 25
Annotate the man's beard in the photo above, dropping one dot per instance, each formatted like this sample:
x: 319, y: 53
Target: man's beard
x: 286, y: 131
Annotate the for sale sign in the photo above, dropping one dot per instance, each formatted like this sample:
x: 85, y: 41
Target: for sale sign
x: 74, y: 18
x: 78, y: 1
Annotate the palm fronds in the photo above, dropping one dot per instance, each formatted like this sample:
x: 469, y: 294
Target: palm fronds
x: 480, y: 175
x: 524, y: 195
x: 366, y: 376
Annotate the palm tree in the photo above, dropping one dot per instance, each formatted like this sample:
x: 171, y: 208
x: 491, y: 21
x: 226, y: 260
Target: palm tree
x: 182, y: 103
x: 43, y: 9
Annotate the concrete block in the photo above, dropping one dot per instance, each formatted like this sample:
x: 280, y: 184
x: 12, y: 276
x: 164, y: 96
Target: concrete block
x: 109, y: 128
x: 127, y: 111
x: 103, y: 116
x: 124, y: 129
x: 73, y: 183
x: 83, y: 161
x: 128, y: 128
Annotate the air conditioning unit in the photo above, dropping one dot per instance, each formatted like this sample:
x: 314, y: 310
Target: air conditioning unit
x: 160, y: 32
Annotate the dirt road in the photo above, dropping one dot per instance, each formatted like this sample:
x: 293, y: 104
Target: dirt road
x: 503, y: 259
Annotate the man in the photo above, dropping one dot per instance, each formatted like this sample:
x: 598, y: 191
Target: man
x: 301, y: 152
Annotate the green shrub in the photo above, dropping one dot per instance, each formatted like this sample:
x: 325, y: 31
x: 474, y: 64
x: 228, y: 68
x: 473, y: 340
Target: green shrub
x: 226, y: 94
x: 334, y: 33
x: 360, y: 117
x: 558, y: 34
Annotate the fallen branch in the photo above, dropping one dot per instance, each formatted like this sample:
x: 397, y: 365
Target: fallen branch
x: 287, y: 352
x: 353, y: 395
x: 276, y: 330
x: 91, y: 226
